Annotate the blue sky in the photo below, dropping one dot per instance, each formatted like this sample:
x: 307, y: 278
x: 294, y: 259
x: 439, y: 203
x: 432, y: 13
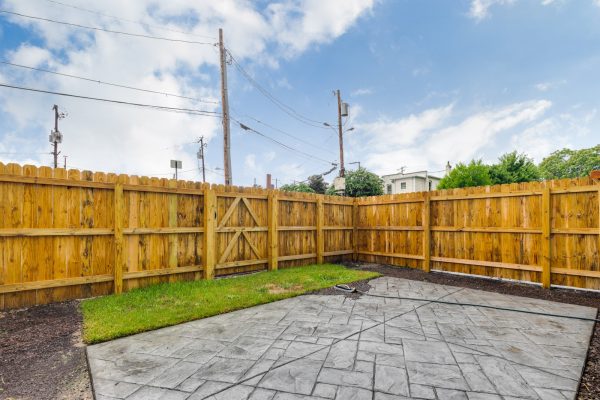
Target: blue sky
x: 427, y: 82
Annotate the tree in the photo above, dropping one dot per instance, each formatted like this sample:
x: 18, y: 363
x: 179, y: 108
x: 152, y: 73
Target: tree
x: 361, y: 182
x: 567, y: 163
x: 476, y: 173
x: 331, y: 191
x: 514, y: 168
x: 317, y: 183
x: 297, y: 187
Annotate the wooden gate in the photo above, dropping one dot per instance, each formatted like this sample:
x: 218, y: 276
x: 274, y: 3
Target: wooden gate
x: 241, y: 242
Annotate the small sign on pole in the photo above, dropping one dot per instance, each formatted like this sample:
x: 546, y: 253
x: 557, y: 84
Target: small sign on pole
x: 177, y: 165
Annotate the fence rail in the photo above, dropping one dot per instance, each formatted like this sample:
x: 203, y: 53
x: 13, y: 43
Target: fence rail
x: 543, y: 232
x: 74, y: 234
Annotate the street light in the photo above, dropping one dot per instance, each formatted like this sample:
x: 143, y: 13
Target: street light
x: 356, y: 162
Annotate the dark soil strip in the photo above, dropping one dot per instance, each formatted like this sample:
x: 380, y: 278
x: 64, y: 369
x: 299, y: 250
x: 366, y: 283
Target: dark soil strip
x: 41, y: 354
x: 590, y: 381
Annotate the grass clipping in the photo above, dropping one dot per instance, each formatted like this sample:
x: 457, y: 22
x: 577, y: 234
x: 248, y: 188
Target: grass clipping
x: 166, y: 304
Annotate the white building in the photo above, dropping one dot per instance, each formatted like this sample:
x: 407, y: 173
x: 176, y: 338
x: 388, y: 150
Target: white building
x: 419, y: 181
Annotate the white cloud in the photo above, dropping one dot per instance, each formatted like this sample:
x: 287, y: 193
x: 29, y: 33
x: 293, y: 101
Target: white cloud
x: 555, y: 132
x: 464, y: 140
x: 539, y: 140
x: 290, y: 172
x: 361, y: 92
x: 428, y: 139
x: 545, y: 86
x: 420, y: 71
x: 298, y: 24
x: 270, y: 156
x: 384, y: 133
x: 250, y: 161
x: 130, y: 140
x: 284, y: 83
x: 256, y: 166
x: 30, y: 55
x: 480, y: 8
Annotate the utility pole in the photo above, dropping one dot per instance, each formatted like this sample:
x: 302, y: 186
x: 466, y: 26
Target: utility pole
x: 339, y: 99
x: 200, y: 156
x: 225, y: 111
x: 65, y: 159
x: 55, y: 135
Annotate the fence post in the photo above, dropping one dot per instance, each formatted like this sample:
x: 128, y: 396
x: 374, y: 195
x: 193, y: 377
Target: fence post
x: 320, y: 238
x: 210, y: 232
x: 546, y: 238
x: 119, y: 257
x: 426, y: 232
x: 273, y: 235
x: 355, y: 229
x: 173, y: 240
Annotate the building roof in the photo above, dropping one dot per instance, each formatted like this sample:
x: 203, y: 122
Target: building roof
x: 416, y: 174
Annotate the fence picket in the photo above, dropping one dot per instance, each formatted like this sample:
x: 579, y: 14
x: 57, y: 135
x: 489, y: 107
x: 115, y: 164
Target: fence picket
x: 71, y: 234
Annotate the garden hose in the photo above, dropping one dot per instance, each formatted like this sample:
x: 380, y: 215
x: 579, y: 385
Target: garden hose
x: 348, y: 289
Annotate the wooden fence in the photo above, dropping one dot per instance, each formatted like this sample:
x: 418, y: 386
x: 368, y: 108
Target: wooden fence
x: 544, y: 232
x: 71, y: 234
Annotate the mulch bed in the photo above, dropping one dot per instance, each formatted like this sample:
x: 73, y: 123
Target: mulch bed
x: 42, y: 355
x: 589, y: 388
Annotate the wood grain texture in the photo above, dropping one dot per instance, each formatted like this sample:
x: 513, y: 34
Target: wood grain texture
x: 273, y: 253
x: 119, y: 256
x: 498, y: 231
x: 75, y: 234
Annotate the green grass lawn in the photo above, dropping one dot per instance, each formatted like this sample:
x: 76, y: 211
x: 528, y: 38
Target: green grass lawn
x: 166, y: 304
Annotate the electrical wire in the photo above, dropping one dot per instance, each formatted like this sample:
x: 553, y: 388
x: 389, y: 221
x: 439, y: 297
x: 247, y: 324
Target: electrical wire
x: 173, y: 173
x: 106, y: 83
x: 128, y: 20
x: 214, y: 171
x: 282, y: 106
x: 249, y: 129
x: 19, y: 152
x: 151, y: 106
x: 280, y: 131
x: 139, y: 35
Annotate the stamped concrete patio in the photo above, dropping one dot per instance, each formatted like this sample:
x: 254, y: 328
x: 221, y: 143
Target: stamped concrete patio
x: 311, y: 349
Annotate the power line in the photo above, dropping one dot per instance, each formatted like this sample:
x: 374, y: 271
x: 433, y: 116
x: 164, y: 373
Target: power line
x: 178, y: 145
x: 214, y: 171
x: 19, y: 152
x: 285, y: 108
x: 249, y: 129
x: 152, y: 106
x: 103, y: 29
x: 171, y: 173
x: 106, y: 83
x: 128, y: 20
x: 282, y: 131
